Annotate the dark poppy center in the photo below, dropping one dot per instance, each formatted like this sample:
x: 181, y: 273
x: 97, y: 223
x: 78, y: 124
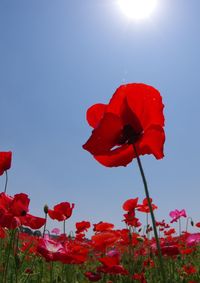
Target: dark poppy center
x: 23, y: 213
x: 129, y: 135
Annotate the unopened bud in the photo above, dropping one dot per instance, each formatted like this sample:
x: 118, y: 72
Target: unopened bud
x: 46, y: 209
x: 140, y: 239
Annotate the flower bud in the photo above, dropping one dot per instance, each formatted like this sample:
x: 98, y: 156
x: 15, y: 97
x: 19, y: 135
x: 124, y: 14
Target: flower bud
x: 46, y: 208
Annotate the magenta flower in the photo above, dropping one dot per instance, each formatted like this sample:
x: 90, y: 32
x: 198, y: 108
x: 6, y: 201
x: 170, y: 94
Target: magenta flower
x: 177, y: 214
x: 193, y: 239
x: 55, y: 231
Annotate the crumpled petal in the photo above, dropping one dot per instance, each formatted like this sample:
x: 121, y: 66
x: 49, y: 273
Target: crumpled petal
x: 152, y: 142
x: 105, y: 136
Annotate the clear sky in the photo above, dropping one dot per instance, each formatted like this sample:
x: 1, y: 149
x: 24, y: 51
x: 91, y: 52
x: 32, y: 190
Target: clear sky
x: 57, y: 58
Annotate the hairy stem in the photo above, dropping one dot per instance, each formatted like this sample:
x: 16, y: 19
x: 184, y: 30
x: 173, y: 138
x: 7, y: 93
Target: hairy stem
x: 162, y: 270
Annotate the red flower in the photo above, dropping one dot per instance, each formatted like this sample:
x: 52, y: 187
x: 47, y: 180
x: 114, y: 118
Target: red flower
x: 189, y: 269
x: 112, y: 265
x: 103, y: 226
x: 103, y: 240
x: 92, y: 276
x: 34, y: 222
x: 14, y: 212
x: 134, y: 115
x: 197, y: 224
x: 5, y: 161
x: 12, y: 209
x: 82, y: 226
x: 169, y: 232
x: 144, y: 207
x: 130, y: 204
x: 61, y: 211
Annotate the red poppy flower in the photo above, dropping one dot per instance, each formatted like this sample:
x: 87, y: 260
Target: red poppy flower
x: 34, y: 222
x: 61, y: 211
x: 130, y: 204
x: 189, y: 269
x: 92, y: 276
x: 82, y: 226
x: 197, y: 224
x: 14, y: 212
x: 144, y: 207
x: 103, y: 226
x: 105, y: 239
x: 134, y: 115
x: 5, y: 161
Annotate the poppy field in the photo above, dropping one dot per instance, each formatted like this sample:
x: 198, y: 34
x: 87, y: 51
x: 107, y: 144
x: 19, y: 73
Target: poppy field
x: 159, y: 251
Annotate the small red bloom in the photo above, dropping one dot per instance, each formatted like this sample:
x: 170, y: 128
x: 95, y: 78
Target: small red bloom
x: 93, y: 277
x: 170, y: 232
x: 197, y: 224
x: 5, y: 161
x: 61, y: 211
x: 103, y: 226
x: 82, y: 226
x: 140, y: 277
x: 144, y: 207
x: 189, y: 269
x: 111, y: 265
x: 130, y: 204
x: 134, y: 115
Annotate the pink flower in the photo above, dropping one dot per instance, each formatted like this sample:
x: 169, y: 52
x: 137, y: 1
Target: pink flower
x: 176, y: 214
x: 49, y: 248
x: 56, y: 231
x: 193, y: 239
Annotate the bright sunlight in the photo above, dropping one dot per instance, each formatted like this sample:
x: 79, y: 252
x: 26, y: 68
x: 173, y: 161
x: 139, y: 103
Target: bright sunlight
x: 137, y: 9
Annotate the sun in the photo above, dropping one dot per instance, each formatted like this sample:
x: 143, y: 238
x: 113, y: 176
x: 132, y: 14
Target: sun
x: 137, y: 9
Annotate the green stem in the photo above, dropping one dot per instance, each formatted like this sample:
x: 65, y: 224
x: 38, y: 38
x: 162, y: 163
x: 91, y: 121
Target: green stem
x: 8, y: 255
x: 45, y: 225
x: 162, y: 270
x: 64, y: 227
x: 6, y: 183
x: 187, y: 223
x: 179, y: 222
x: 51, y: 272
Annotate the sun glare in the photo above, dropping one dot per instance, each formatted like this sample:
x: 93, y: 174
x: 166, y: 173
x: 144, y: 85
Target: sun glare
x: 137, y: 9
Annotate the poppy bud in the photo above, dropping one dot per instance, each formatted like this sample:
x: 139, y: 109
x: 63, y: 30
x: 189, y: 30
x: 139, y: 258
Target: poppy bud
x: 140, y: 239
x: 192, y: 223
x: 46, y: 209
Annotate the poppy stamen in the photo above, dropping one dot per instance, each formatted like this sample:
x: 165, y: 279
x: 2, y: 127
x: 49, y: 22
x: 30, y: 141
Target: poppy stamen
x: 129, y: 135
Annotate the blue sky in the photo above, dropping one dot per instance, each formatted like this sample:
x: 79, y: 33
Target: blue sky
x: 57, y: 58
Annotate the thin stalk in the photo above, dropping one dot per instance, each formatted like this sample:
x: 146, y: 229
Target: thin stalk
x: 162, y: 270
x: 51, y: 272
x: 187, y: 222
x: 45, y: 224
x: 179, y: 222
x: 64, y: 227
x: 12, y: 234
x: 147, y: 223
x: 6, y: 183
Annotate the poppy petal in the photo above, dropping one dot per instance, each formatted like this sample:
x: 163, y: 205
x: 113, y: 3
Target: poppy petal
x: 95, y: 113
x: 118, y: 157
x: 105, y: 136
x: 152, y: 142
x: 146, y: 103
x: 5, y: 161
